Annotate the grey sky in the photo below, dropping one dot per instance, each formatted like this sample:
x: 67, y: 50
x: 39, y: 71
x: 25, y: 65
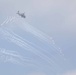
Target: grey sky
x: 56, y: 18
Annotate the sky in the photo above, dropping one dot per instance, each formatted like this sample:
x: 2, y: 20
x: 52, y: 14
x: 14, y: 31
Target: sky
x: 41, y: 44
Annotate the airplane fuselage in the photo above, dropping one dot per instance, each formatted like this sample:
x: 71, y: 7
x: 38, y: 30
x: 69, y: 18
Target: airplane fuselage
x: 21, y: 14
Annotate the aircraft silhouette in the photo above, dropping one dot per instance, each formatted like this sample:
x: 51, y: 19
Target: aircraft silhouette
x: 21, y: 14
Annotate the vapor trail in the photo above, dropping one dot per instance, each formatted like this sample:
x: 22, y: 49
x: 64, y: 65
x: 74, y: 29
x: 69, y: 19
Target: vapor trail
x: 38, y: 53
x: 37, y: 47
x: 8, y: 19
x: 39, y: 34
x: 4, y: 21
x: 9, y: 55
x: 12, y: 53
x: 15, y: 57
x: 26, y: 46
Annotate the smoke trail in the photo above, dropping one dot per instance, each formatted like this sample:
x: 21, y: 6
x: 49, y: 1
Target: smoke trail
x: 42, y: 56
x: 26, y: 46
x: 18, y: 42
x: 54, y: 58
x: 7, y: 20
x: 14, y: 57
x: 10, y: 19
x: 12, y: 53
x: 30, y: 43
x: 7, y: 55
x: 39, y: 34
x: 42, y: 36
x: 4, y: 21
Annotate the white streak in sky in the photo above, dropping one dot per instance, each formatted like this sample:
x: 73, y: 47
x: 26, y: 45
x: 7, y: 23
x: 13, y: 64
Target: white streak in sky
x: 4, y: 21
x: 39, y: 34
x: 12, y: 53
x: 25, y: 45
x: 37, y: 52
x: 14, y: 57
x: 31, y: 43
x: 8, y: 19
x: 36, y: 32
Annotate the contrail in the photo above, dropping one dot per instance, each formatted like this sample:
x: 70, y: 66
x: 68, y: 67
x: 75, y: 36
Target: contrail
x: 7, y: 55
x: 39, y: 34
x: 8, y: 19
x: 36, y: 50
x: 14, y: 57
x: 55, y: 58
x: 4, y: 21
x: 26, y: 46
x: 12, y: 53
x: 31, y: 43
x: 42, y: 36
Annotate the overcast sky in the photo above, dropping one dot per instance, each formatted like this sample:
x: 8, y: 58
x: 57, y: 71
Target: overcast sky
x: 55, y: 19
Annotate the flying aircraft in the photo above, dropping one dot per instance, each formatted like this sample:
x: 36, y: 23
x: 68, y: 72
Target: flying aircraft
x: 21, y: 14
